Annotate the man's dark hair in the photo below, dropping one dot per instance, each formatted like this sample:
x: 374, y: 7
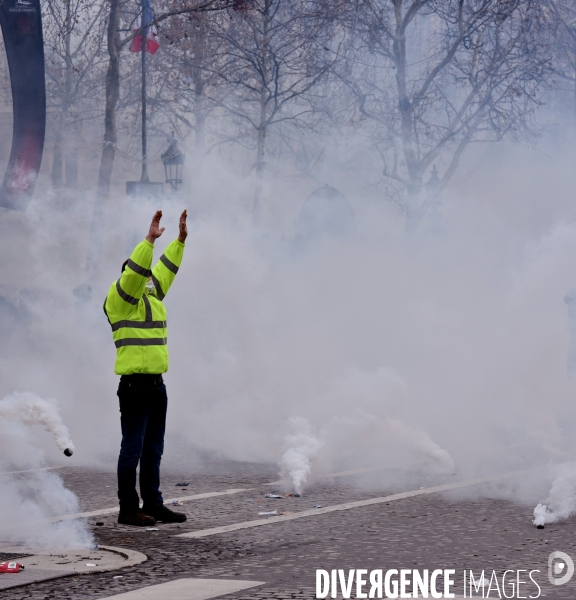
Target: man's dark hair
x: 124, y: 265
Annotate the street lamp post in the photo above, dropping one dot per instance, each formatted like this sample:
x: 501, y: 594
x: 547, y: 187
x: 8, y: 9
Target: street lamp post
x: 144, y: 187
x: 144, y: 177
x: 173, y: 160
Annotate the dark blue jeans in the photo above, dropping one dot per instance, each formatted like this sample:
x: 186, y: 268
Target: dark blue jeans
x: 143, y: 404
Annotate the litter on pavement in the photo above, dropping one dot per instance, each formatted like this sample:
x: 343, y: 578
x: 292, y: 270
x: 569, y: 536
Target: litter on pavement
x: 10, y: 567
x: 266, y: 514
x: 272, y: 496
x: 183, y: 484
x: 152, y: 529
x: 317, y: 506
x: 176, y: 503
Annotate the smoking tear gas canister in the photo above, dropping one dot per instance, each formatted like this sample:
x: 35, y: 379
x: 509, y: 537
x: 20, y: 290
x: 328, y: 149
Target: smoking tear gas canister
x: 10, y: 567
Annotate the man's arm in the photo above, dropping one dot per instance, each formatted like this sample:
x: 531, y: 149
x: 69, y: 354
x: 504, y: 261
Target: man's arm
x: 166, y: 268
x: 126, y: 292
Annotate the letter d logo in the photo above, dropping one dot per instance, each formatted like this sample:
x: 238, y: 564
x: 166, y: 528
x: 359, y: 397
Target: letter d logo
x: 560, y: 568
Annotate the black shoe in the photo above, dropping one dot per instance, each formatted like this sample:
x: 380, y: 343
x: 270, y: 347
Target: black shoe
x: 137, y: 518
x: 164, y: 514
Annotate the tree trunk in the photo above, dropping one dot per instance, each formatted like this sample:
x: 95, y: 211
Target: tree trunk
x: 263, y: 126
x: 69, y: 154
x: 575, y: 95
x: 57, y: 174
x: 200, y: 129
x: 413, y: 216
x: 57, y: 162
x: 406, y: 109
x: 198, y: 65
x: 71, y: 166
x: 110, y: 138
x: 260, y: 168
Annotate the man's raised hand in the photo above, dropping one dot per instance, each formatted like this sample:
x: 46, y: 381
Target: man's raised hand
x: 155, y: 230
x: 183, y: 228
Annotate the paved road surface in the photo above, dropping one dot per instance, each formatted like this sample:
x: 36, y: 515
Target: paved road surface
x: 458, y: 529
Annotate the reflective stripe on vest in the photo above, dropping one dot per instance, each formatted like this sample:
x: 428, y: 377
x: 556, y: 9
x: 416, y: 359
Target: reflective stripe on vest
x: 169, y: 264
x: 141, y: 342
x: 159, y: 291
x: 138, y: 269
x: 126, y: 297
x: 148, y: 308
x: 139, y: 325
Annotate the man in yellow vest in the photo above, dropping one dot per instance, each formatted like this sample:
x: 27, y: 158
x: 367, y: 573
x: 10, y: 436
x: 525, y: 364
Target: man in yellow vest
x: 138, y: 318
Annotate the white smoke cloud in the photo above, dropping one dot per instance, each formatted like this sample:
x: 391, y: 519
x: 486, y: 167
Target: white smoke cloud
x: 362, y: 435
x: 32, y: 410
x: 300, y: 449
x: 418, y: 439
x: 398, y: 354
x: 561, y: 501
x: 28, y: 500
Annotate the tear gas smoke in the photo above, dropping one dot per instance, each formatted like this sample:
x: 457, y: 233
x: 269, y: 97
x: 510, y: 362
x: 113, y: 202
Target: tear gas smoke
x: 32, y: 410
x: 561, y: 501
x: 430, y: 355
x: 300, y: 449
x: 415, y: 438
x: 29, y: 499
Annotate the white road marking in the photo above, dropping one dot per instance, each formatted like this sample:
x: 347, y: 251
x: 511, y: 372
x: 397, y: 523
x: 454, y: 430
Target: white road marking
x: 111, y: 511
x: 187, y: 589
x: 33, y: 470
x: 336, y: 475
x: 338, y: 507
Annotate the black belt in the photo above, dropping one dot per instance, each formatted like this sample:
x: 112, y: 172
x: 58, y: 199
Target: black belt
x: 142, y: 378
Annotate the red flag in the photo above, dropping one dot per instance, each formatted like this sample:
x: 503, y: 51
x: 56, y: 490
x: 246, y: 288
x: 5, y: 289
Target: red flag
x: 151, y: 33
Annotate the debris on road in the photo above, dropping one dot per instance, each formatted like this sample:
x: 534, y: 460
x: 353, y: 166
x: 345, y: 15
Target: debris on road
x: 317, y: 506
x: 176, y: 503
x: 272, y: 496
x: 266, y: 514
x: 292, y: 495
x: 152, y: 529
x: 99, y: 523
x: 184, y: 484
x: 11, y: 567
x: 90, y: 565
x: 286, y: 512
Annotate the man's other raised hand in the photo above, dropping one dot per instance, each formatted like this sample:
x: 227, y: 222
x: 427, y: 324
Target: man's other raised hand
x: 183, y: 234
x: 155, y: 230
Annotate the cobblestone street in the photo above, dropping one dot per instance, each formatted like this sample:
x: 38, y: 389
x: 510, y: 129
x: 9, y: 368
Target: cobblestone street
x: 443, y: 530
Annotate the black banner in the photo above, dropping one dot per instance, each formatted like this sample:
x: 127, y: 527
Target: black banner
x: 21, y: 23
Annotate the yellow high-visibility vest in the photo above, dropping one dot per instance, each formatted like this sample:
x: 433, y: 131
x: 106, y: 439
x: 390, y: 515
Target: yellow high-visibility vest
x: 137, y: 315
